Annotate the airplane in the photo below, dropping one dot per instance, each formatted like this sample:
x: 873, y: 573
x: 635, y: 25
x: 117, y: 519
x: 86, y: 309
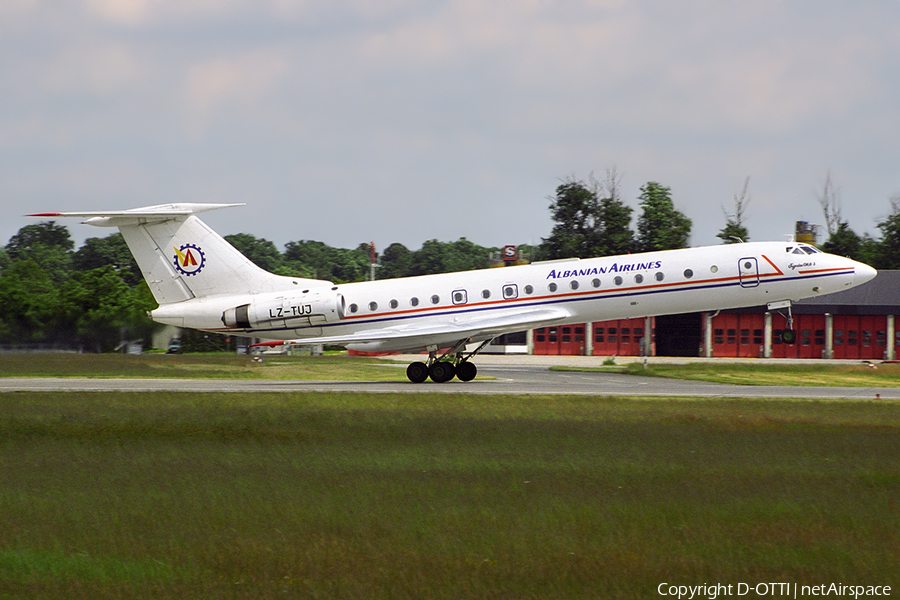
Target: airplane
x: 202, y: 282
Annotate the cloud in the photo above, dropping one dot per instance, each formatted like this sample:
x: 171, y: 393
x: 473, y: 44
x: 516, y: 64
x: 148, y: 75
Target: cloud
x: 220, y: 86
x: 450, y: 118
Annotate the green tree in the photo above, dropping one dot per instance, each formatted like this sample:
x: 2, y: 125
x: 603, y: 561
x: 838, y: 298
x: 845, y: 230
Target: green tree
x: 32, y: 310
x: 843, y: 242
x: 429, y: 259
x: 396, y: 261
x: 886, y: 254
x: 5, y: 260
x: 576, y: 211
x: 261, y: 252
x: 660, y: 226
x: 110, y: 250
x: 309, y: 258
x: 591, y: 220
x: 45, y: 233
x: 618, y: 238
x: 463, y: 255
x: 734, y: 231
x: 102, y: 310
x: 47, y: 244
x: 318, y: 260
x: 439, y: 257
x: 350, y: 265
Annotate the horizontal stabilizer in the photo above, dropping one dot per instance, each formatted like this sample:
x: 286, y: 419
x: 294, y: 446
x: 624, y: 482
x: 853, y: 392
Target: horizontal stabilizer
x: 139, y: 216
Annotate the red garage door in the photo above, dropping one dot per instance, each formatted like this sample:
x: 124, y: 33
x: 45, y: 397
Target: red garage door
x: 621, y: 337
x: 863, y: 337
x: 810, y: 338
x: 565, y: 340
x: 738, y: 334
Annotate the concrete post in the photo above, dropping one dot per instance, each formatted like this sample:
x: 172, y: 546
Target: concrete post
x: 707, y: 335
x: 767, y: 337
x: 829, y: 336
x: 890, y: 351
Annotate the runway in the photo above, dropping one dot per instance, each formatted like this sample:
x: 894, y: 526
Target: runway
x: 497, y: 375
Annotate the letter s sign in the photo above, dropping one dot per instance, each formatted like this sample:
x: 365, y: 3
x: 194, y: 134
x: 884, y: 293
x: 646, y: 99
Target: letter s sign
x: 510, y: 253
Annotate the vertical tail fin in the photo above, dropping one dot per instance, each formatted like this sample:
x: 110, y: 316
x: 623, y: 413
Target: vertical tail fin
x: 182, y: 258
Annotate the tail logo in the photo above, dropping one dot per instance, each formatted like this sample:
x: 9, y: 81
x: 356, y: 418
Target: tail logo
x: 189, y: 259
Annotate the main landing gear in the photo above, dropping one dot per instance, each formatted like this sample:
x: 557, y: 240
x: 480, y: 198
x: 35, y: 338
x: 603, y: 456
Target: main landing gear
x: 453, y: 363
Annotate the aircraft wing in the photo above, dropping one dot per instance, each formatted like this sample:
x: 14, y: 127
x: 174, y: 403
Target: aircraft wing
x: 415, y: 336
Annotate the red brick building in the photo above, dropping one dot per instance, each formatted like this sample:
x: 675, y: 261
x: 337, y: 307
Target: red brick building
x: 855, y: 324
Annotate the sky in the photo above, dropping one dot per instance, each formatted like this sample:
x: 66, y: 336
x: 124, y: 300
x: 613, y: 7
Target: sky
x: 353, y: 121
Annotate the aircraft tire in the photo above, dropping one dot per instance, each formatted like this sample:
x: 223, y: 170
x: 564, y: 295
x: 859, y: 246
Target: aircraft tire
x: 788, y: 336
x: 442, y: 372
x: 417, y: 372
x: 466, y: 371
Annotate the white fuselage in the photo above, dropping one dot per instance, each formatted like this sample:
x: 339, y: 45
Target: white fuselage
x: 489, y: 302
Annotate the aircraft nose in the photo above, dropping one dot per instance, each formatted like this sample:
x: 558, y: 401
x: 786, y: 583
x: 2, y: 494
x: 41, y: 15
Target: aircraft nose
x: 863, y: 273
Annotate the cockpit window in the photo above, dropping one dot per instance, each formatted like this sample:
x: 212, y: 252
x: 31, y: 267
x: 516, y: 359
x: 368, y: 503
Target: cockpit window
x: 802, y: 249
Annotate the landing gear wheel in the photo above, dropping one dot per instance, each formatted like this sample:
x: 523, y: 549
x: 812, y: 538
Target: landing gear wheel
x: 466, y: 371
x: 441, y: 371
x: 417, y: 372
x: 789, y: 336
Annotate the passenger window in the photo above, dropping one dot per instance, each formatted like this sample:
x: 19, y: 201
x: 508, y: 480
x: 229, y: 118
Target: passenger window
x: 573, y: 284
x: 510, y: 291
x: 435, y: 299
x: 552, y: 287
x: 595, y: 283
x: 714, y: 269
x: 413, y: 301
x: 394, y: 304
x: 459, y: 297
x: 353, y: 308
x: 373, y: 306
x: 688, y: 273
x: 529, y: 290
x: 485, y: 294
x: 639, y: 278
x: 618, y: 281
x: 660, y: 276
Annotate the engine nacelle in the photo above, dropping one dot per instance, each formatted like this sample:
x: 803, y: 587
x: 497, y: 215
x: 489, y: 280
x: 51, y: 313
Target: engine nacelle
x: 286, y: 311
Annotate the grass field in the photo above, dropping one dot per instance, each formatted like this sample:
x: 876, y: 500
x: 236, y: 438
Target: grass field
x: 769, y: 373
x: 194, y: 366
x: 118, y: 495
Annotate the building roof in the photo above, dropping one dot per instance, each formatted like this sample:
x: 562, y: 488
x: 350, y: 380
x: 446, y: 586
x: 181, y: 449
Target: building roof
x: 880, y: 296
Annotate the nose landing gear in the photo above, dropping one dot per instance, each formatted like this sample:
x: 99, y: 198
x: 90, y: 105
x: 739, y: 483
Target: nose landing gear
x: 789, y: 335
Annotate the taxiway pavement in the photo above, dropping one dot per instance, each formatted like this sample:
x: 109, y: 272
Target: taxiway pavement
x: 497, y: 375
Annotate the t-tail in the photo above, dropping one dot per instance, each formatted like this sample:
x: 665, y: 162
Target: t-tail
x: 182, y: 258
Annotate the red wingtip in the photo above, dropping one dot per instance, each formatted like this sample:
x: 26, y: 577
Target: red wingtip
x: 45, y: 215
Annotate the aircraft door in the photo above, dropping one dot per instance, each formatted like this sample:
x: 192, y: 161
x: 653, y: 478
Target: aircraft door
x: 748, y: 272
